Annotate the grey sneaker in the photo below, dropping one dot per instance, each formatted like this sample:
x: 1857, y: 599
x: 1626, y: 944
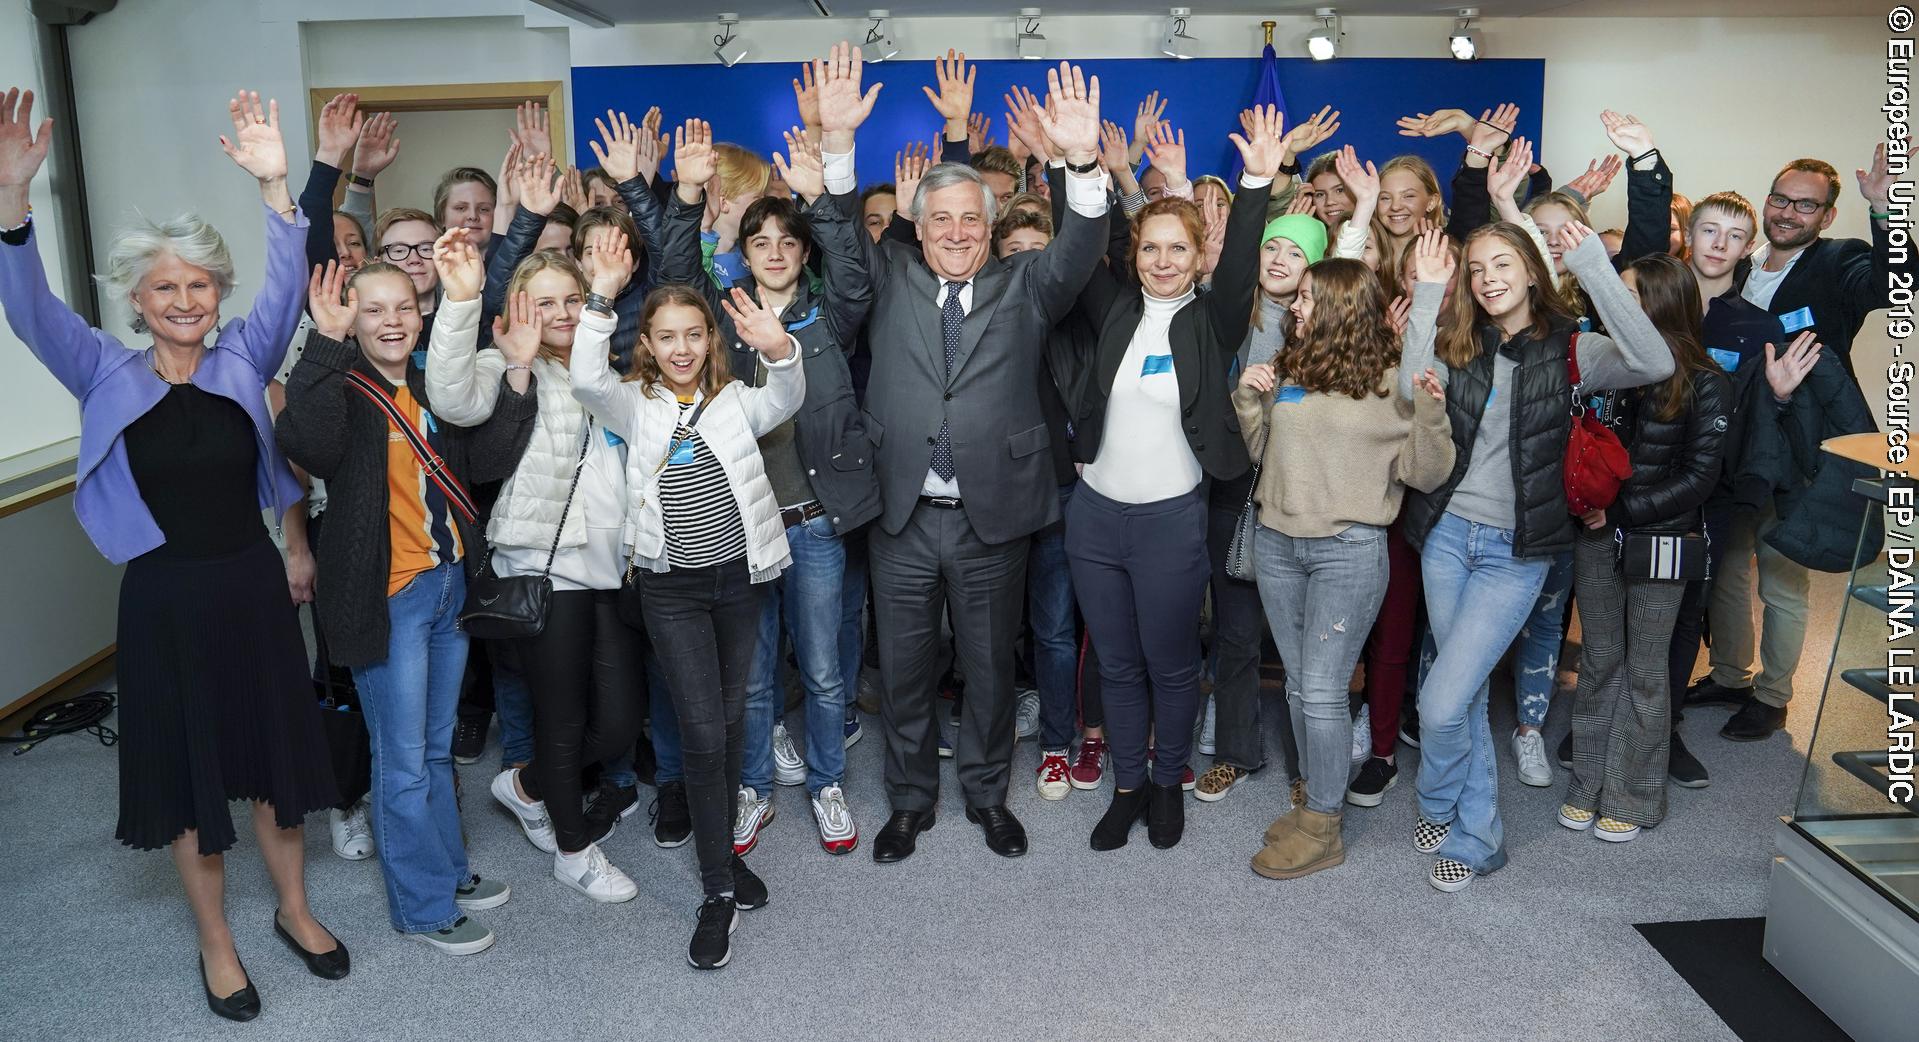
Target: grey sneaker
x: 1026, y: 715
x: 478, y: 895
x: 464, y: 937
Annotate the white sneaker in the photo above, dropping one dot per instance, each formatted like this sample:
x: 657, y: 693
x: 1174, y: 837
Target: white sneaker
x: 352, y: 834
x: 1026, y: 715
x: 531, y: 816
x: 1363, y: 735
x: 752, y: 813
x: 1529, y: 748
x: 1209, y: 727
x: 592, y: 874
x: 835, y: 820
x: 1052, y: 775
x: 788, y: 766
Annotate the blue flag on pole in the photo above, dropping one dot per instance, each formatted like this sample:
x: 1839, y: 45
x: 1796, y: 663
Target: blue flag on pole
x: 1266, y: 93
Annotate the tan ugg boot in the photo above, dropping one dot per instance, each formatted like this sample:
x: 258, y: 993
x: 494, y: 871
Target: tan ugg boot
x: 1284, y: 824
x: 1313, y: 844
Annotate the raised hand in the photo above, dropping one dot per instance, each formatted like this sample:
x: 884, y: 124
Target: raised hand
x: 1436, y: 124
x: 1627, y: 133
x: 338, y: 128
x: 1428, y: 381
x: 1362, y: 182
x: 908, y: 167
x: 842, y: 105
x: 1214, y: 244
x: 1113, y: 152
x: 651, y: 147
x: 1145, y: 118
x: 1023, y: 126
x: 572, y: 190
x: 506, y: 193
x: 23, y: 147
x: 1570, y: 235
x: 1071, y: 119
x: 332, y: 313
x: 623, y: 139
x: 379, y: 145
x: 693, y: 161
x: 1303, y: 202
x: 1876, y: 183
x: 518, y: 330
x: 954, y: 101
x: 1432, y: 260
x: 1598, y: 176
x: 1308, y: 135
x: 979, y: 132
x: 1493, y: 127
x: 1399, y: 313
x: 256, y: 146
x: 1503, y: 177
x: 612, y: 259
x: 539, y: 184
x: 804, y: 172
x: 1259, y: 377
x: 461, y: 271
x: 806, y: 94
x: 759, y: 327
x: 1168, y: 153
x: 530, y: 128
x: 1785, y: 372
x: 1261, y: 148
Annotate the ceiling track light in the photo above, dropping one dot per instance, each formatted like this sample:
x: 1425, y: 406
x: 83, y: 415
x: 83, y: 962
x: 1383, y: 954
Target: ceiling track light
x: 1177, y: 42
x: 1323, y: 43
x: 1464, y: 41
x: 728, y: 47
x: 1031, y: 42
x: 879, y: 37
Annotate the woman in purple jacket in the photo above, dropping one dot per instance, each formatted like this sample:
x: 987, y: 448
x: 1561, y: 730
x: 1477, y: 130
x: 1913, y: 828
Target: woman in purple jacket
x: 176, y: 462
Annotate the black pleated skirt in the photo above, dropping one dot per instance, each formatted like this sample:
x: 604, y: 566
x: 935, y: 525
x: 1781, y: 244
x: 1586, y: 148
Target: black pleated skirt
x: 215, y: 699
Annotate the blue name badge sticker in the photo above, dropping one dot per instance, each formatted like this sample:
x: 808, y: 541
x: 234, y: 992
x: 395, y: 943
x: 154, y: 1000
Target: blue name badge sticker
x: 1794, y: 321
x: 432, y: 425
x: 613, y: 441
x: 1490, y: 395
x: 1156, y: 365
x: 682, y: 454
x: 1728, y: 360
x: 1289, y: 394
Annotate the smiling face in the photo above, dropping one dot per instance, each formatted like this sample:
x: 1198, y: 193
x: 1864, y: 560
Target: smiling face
x: 1153, y: 183
x: 418, y: 265
x: 469, y: 205
x: 180, y: 302
x: 1282, y: 264
x: 1165, y: 256
x: 878, y: 213
x: 387, y: 325
x: 1303, y: 306
x: 1786, y: 227
x: 774, y: 256
x: 677, y: 337
x: 1334, y: 202
x: 1500, y: 281
x: 1403, y: 200
x: 1551, y: 217
x: 347, y: 243
x: 1717, y: 242
x: 954, y: 232
x: 558, y: 299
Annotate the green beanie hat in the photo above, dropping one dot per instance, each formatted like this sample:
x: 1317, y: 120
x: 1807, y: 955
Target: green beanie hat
x: 1304, y: 230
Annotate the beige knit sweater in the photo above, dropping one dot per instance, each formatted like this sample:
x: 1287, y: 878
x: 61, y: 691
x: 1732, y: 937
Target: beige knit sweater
x: 1331, y: 462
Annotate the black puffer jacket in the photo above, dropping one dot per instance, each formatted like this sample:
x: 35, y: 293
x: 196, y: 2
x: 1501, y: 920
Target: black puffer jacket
x: 1675, y: 463
x: 1819, y: 513
x: 1541, y: 423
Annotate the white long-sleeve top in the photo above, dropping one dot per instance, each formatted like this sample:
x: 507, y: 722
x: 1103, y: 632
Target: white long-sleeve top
x: 1143, y: 454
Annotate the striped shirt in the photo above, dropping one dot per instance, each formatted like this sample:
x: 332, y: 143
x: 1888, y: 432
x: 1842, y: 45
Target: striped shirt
x: 703, y: 525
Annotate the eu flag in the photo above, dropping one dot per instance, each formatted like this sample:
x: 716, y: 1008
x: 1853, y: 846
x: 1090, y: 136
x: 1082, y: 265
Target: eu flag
x: 1266, y: 93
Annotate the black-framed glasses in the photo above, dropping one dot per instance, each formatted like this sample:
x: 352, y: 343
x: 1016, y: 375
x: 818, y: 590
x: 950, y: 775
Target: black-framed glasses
x: 398, y: 252
x: 1780, y: 202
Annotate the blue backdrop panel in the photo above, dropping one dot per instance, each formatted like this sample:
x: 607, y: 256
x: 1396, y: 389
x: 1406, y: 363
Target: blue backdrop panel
x: 751, y: 103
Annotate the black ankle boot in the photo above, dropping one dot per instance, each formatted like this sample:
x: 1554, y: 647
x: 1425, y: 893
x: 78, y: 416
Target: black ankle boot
x: 1117, y: 822
x: 1165, y: 814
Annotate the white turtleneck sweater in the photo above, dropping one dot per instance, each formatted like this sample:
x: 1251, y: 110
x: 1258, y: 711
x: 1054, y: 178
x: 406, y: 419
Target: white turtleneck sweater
x: 1143, y: 453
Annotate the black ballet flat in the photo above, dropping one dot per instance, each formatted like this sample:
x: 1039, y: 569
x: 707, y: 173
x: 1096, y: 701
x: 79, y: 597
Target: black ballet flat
x: 242, y: 1005
x: 331, y: 965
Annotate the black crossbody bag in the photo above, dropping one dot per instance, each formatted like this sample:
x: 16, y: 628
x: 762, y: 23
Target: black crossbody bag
x: 514, y: 606
x: 1678, y: 558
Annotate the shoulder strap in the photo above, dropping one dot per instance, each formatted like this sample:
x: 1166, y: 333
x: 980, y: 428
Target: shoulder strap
x: 674, y: 445
x: 578, y: 465
x: 1572, y: 358
x: 430, y: 461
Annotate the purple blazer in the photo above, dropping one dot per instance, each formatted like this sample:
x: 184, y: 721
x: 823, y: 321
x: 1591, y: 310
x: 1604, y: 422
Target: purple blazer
x: 116, y: 386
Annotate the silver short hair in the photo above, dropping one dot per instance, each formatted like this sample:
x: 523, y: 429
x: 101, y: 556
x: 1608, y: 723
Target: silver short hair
x: 946, y: 175
x: 138, y: 246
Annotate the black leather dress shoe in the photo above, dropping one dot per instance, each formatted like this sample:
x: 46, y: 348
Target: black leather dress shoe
x: 1005, y: 836
x: 900, y: 835
x: 1709, y: 692
x: 1165, y: 814
x: 1754, y: 721
x: 242, y: 1005
x: 331, y: 965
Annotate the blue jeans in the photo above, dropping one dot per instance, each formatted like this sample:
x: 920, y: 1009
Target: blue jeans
x: 1536, y: 659
x: 1049, y: 607
x: 1478, y: 595
x: 513, y: 702
x: 410, y: 700
x: 852, y: 608
x: 669, y: 761
x: 807, y: 596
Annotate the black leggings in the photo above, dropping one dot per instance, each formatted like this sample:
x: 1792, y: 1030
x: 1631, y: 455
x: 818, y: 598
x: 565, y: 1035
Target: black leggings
x: 589, y: 696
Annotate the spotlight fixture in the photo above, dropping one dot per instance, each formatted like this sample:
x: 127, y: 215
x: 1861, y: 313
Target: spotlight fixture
x: 1323, y: 44
x: 1464, y: 41
x: 728, y: 47
x: 1032, y: 43
x: 1177, y: 43
x: 879, y: 37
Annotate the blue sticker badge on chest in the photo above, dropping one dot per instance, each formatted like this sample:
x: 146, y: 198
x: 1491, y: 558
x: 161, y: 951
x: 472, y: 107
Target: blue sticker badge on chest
x: 682, y: 454
x: 1156, y: 365
x: 1490, y: 395
x: 1288, y: 394
x: 432, y: 425
x: 1728, y: 360
x: 1794, y: 321
x: 613, y: 441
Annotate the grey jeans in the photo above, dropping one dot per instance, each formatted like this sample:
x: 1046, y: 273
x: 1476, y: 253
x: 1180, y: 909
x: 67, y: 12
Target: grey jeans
x: 1321, y: 596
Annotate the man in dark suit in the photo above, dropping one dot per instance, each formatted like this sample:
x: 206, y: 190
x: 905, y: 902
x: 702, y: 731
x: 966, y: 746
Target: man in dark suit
x: 953, y: 409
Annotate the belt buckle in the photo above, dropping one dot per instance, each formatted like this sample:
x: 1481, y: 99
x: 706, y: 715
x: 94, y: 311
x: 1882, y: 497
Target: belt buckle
x: 943, y: 502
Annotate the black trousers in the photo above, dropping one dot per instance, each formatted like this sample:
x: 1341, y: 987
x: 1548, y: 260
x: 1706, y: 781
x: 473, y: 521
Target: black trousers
x: 704, y: 624
x: 1239, y: 629
x: 589, y: 696
x: 1689, y: 629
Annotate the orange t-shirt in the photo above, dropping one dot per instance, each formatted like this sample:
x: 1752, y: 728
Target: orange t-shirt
x: 421, y: 532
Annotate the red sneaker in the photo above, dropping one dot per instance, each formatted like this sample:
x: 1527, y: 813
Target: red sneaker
x: 1089, y: 768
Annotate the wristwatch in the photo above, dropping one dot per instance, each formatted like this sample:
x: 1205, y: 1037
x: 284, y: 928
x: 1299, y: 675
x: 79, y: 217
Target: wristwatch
x: 1083, y: 168
x: 363, y: 182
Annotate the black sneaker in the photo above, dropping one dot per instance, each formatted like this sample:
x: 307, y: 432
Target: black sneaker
x: 713, y: 938
x: 1754, y: 721
x: 469, y: 740
x: 1708, y: 692
x: 1409, y: 730
x: 1566, y: 750
x: 1684, y: 768
x: 607, y: 805
x: 749, y: 890
x: 1374, y: 779
x: 672, y: 821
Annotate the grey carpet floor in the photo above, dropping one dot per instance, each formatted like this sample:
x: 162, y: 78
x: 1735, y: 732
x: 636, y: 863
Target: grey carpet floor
x: 954, y: 943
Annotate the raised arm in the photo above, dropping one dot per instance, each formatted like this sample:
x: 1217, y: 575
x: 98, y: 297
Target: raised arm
x: 848, y: 293
x: 1071, y: 123
x: 539, y: 192
x: 313, y: 428
x: 1648, y: 189
x: 378, y: 146
x: 681, y: 259
x: 594, y: 383
x: 1362, y: 183
x: 630, y: 155
x: 760, y: 329
x: 256, y: 147
x: 462, y: 381
x: 1432, y: 269
x: 1866, y: 280
x: 1236, y: 280
x: 1502, y: 181
x: 1635, y: 353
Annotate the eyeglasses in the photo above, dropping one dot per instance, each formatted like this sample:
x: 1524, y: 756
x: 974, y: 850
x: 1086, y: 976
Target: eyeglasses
x: 396, y: 252
x: 1780, y: 202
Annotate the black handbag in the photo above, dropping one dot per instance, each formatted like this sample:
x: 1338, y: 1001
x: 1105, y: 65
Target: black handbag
x: 1239, y: 551
x: 1678, y: 558
x: 514, y: 606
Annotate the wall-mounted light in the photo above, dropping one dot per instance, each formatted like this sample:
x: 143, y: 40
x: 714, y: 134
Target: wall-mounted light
x: 1464, y: 41
x: 1177, y: 43
x: 728, y: 46
x: 1323, y: 43
x: 879, y: 37
x: 1032, y: 43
